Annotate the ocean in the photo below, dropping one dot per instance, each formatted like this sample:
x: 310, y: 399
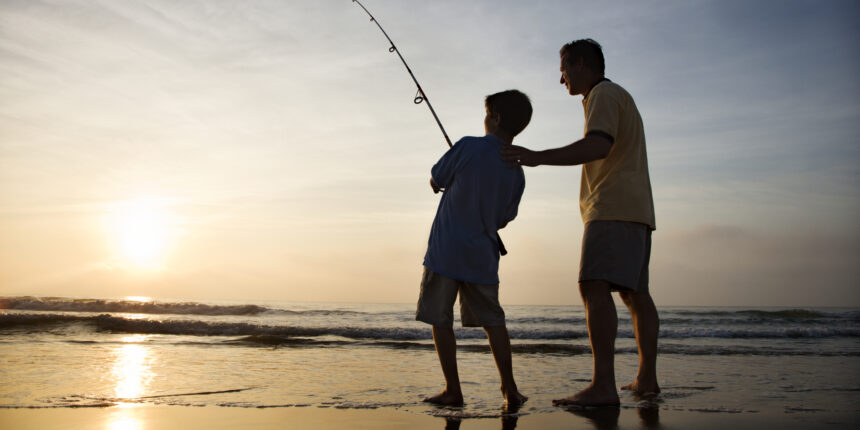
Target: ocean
x: 73, y: 353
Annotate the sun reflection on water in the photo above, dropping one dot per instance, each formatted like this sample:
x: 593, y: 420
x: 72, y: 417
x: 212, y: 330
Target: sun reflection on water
x: 131, y: 369
x: 123, y: 421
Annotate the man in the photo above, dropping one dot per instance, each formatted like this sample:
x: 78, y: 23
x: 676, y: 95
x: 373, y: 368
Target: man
x: 618, y: 212
x: 481, y: 196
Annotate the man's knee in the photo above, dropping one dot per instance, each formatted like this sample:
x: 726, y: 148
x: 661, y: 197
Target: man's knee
x: 594, y: 290
x: 637, y: 301
x: 628, y: 297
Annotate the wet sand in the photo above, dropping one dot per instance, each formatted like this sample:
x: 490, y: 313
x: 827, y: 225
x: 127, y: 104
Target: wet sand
x: 176, y: 417
x: 369, y: 365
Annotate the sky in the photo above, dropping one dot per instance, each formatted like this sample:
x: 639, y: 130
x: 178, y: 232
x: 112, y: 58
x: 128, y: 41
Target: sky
x: 270, y: 150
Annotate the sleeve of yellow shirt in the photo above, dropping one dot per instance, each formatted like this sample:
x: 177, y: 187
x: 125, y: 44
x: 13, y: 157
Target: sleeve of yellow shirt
x: 602, y: 112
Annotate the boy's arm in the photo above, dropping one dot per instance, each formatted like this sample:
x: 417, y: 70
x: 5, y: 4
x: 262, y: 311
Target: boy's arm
x: 442, y: 173
x: 435, y: 187
x: 515, y: 204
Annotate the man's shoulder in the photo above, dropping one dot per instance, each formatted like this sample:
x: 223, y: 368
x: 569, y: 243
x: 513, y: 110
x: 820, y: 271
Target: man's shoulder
x: 609, y: 88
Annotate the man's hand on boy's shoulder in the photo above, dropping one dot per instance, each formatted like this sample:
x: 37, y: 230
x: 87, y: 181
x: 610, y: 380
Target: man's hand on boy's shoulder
x: 435, y: 188
x: 518, y: 156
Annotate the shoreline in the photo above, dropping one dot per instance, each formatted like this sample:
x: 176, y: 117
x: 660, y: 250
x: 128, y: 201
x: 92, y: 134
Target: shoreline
x: 141, y: 417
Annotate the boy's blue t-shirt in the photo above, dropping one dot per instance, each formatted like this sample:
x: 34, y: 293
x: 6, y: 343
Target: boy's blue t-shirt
x: 481, y: 195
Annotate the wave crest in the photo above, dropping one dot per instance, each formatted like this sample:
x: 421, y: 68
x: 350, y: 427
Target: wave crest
x: 125, y: 306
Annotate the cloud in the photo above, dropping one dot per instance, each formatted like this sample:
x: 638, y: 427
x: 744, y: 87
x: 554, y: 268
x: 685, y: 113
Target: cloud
x: 282, y: 123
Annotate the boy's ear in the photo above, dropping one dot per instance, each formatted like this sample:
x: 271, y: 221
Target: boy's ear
x: 496, y: 117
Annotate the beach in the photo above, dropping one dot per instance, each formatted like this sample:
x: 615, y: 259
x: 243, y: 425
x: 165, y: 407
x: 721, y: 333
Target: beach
x: 98, y: 363
x: 190, y: 418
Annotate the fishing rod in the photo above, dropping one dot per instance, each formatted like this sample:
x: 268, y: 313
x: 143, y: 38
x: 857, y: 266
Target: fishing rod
x: 419, y: 96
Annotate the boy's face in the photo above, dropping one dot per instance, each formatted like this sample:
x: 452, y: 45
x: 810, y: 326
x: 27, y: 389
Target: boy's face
x: 491, y: 122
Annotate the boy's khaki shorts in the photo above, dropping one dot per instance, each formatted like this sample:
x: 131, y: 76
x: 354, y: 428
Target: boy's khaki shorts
x: 479, y: 304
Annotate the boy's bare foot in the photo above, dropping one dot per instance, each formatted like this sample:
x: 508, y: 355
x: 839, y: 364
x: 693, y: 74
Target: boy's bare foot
x: 513, y: 398
x: 591, y: 396
x: 642, y: 389
x: 446, y: 399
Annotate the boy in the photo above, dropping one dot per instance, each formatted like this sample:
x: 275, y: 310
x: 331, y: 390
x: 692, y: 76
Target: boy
x: 481, y: 196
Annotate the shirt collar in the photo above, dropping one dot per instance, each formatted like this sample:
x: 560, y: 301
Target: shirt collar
x: 602, y: 79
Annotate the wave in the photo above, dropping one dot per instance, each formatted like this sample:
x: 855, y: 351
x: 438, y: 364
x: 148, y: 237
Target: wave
x: 535, y: 348
x: 36, y: 320
x: 60, y: 304
x: 110, y: 323
x: 694, y: 318
x: 202, y: 328
x: 545, y: 320
x: 125, y: 306
x: 543, y: 348
x: 757, y: 314
x: 690, y: 317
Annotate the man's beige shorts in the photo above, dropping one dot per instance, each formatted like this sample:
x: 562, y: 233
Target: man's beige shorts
x: 618, y: 252
x: 479, y: 304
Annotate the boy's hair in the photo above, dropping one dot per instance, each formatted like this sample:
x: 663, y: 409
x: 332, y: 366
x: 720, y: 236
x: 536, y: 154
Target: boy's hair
x: 586, y: 49
x: 514, y: 109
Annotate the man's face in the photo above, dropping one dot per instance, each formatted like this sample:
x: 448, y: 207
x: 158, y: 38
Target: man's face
x: 568, y: 76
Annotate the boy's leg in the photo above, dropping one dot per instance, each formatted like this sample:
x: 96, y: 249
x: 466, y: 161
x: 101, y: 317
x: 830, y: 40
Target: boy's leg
x: 436, y: 307
x: 479, y: 307
x: 646, y: 326
x: 446, y: 348
x: 602, y: 322
x: 500, y: 344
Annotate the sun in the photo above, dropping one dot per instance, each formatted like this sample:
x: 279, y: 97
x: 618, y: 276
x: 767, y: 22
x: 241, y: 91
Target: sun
x: 141, y: 230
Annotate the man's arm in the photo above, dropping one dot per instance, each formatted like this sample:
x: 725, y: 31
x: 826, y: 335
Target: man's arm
x: 590, y: 148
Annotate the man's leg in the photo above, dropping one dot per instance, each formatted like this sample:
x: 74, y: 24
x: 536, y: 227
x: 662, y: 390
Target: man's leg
x: 602, y: 322
x: 646, y: 326
x: 500, y: 344
x: 446, y: 348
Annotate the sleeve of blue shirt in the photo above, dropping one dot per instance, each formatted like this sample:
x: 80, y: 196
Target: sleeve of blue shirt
x: 444, y: 170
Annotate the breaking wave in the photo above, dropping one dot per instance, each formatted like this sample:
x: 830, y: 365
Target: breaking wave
x: 125, y: 306
x: 196, y: 327
x: 60, y: 304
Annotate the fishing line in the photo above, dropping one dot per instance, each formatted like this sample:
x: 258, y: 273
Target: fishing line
x: 420, y: 96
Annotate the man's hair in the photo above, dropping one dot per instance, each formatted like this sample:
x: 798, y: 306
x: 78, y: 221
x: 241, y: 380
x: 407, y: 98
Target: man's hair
x: 586, y: 49
x: 514, y: 109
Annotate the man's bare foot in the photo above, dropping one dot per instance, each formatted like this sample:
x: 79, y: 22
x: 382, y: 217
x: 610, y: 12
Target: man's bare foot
x: 591, y: 396
x: 513, y: 398
x: 446, y: 399
x: 642, y: 389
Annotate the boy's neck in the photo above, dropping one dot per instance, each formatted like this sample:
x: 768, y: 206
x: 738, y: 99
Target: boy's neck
x: 504, y: 137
